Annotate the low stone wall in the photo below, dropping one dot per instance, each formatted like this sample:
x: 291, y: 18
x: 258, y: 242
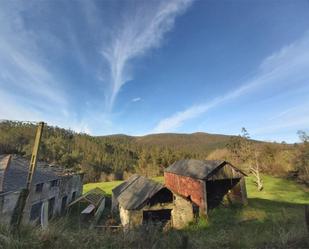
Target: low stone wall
x: 130, y: 218
x: 182, y: 213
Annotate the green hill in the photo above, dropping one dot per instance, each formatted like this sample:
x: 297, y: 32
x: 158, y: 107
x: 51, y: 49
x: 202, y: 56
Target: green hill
x: 199, y: 141
x: 117, y: 155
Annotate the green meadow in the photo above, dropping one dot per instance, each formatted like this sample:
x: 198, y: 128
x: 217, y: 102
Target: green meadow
x: 275, y: 189
x: 273, y: 218
x: 108, y: 186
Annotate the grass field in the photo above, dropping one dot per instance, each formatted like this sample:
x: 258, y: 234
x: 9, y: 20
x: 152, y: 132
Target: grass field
x: 275, y: 189
x: 108, y: 186
x: 274, y: 218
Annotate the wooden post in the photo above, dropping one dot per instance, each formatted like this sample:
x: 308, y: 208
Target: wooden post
x: 34, y: 156
x: 243, y: 190
x: 204, y: 211
x: 307, y: 216
x: 21, y: 203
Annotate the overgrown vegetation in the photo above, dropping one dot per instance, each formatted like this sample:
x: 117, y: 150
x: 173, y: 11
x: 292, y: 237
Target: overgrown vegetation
x: 272, y: 158
x: 117, y: 156
x: 274, y: 218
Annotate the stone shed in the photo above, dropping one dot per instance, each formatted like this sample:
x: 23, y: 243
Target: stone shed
x: 52, y: 185
x: 206, y: 182
x: 141, y: 200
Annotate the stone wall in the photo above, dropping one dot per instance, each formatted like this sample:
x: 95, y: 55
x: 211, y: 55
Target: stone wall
x: 130, y: 218
x: 8, y: 202
x: 182, y: 212
x: 67, y: 185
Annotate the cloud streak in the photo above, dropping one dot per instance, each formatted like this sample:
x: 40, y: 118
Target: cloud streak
x: 25, y: 79
x: 141, y: 30
x: 136, y: 99
x: 29, y: 90
x: 292, y: 118
x: 287, y: 66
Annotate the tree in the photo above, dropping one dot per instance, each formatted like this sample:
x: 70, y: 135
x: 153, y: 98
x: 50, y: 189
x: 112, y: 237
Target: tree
x: 234, y: 148
x: 302, y: 157
x: 250, y: 155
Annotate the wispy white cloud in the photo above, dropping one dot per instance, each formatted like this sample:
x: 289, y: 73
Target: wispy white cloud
x: 136, y: 99
x: 25, y: 78
x: 141, y: 30
x: 294, y: 118
x: 29, y: 91
x: 285, y: 67
x: 31, y: 83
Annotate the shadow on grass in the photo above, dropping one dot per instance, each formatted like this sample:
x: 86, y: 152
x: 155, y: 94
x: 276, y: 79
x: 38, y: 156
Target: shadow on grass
x: 261, y: 224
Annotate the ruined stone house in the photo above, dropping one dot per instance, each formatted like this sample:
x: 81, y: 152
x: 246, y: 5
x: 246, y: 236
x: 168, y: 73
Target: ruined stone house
x: 51, y: 184
x: 141, y: 200
x: 206, y: 182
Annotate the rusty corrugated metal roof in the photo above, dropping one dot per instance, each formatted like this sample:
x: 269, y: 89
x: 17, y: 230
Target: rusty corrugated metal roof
x: 199, y: 169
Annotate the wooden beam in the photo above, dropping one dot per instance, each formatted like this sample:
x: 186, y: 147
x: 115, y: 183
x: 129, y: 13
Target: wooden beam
x: 21, y: 202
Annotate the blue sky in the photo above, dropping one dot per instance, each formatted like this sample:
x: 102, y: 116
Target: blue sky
x: 139, y: 67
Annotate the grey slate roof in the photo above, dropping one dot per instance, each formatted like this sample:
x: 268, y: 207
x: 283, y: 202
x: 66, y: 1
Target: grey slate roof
x: 15, y: 176
x: 135, y: 192
x: 199, y: 169
x: 94, y: 196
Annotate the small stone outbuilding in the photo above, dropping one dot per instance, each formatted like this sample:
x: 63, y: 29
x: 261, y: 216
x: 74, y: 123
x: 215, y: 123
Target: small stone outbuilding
x: 206, y: 182
x: 141, y: 200
x: 52, y: 185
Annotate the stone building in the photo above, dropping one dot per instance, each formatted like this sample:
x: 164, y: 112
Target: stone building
x: 51, y: 184
x: 141, y: 200
x: 206, y: 183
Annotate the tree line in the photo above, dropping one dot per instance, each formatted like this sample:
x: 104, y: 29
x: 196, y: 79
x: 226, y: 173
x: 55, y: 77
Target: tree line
x: 118, y: 156
x: 111, y: 156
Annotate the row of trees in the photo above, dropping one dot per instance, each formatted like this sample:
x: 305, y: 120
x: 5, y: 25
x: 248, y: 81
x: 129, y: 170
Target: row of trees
x: 119, y: 156
x: 111, y: 155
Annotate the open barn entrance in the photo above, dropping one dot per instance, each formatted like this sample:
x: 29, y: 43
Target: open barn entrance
x: 157, y: 216
x: 217, y: 189
x: 163, y: 196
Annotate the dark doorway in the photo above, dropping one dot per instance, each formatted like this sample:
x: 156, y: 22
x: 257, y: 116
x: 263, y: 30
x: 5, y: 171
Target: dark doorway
x: 51, y: 206
x: 157, y: 216
x: 73, y: 196
x: 63, y: 204
x: 217, y: 189
x: 35, y: 212
x: 163, y: 196
x: 196, y: 211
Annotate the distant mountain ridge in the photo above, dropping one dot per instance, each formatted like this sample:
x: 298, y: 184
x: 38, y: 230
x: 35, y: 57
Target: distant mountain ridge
x: 189, y: 141
x: 195, y: 141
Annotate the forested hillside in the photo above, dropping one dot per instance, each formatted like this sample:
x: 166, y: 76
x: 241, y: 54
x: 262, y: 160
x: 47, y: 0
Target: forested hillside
x: 116, y: 156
